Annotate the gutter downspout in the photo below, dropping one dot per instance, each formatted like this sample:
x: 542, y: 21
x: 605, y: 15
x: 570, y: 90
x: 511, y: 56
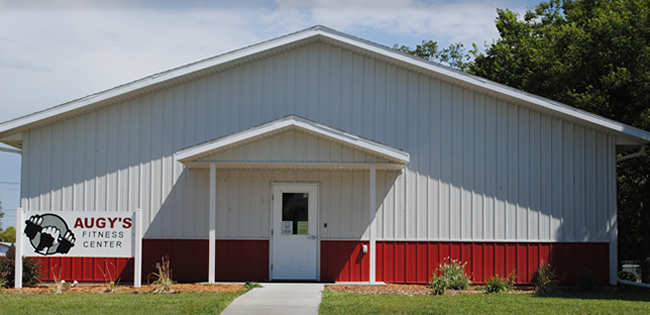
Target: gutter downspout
x: 630, y: 156
x: 626, y: 282
x: 636, y: 284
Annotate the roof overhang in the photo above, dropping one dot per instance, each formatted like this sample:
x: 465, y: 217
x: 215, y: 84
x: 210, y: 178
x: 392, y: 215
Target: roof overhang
x: 382, y: 156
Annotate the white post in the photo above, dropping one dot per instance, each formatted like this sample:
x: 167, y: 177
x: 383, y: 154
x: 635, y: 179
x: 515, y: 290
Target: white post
x: 371, y: 227
x: 20, y: 227
x: 137, y: 263
x: 213, y: 223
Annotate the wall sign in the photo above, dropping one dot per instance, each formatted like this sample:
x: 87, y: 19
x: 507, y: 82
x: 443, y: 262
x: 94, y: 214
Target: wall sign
x: 75, y: 234
x: 287, y: 227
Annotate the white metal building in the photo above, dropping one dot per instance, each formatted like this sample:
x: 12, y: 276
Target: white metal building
x: 322, y: 156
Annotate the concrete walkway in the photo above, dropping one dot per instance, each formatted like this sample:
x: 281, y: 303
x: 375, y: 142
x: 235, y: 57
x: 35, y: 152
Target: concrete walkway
x: 278, y: 298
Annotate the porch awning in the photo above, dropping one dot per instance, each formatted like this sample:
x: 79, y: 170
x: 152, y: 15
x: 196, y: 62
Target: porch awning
x: 293, y: 142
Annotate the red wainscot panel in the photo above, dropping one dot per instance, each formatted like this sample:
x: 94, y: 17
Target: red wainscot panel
x: 188, y: 259
x: 236, y: 260
x: 241, y: 260
x: 86, y: 269
x: 344, y: 261
x: 414, y: 262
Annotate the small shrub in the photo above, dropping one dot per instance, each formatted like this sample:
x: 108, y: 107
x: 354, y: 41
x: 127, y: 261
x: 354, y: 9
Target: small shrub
x: 450, y: 274
x: 545, y: 279
x: 163, y: 282
x: 626, y: 275
x: 251, y: 285
x: 495, y: 284
x: 31, y: 269
x: 587, y: 280
x: 3, y: 278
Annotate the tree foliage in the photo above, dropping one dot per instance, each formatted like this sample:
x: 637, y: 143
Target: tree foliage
x: 454, y: 56
x: 2, y: 214
x: 593, y: 55
x: 8, y: 235
x: 590, y: 54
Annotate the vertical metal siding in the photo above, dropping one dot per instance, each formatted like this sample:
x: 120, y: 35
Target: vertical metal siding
x: 414, y: 262
x: 86, y: 269
x: 481, y: 168
x: 344, y: 261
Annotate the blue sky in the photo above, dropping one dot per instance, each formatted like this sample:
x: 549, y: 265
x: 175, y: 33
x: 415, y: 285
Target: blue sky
x: 52, y: 52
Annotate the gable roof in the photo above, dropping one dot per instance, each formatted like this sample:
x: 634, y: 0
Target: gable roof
x: 381, y: 155
x: 10, y: 130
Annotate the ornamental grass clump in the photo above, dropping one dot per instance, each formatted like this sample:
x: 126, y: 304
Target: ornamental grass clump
x: 450, y: 274
x: 496, y: 284
x: 163, y: 282
x: 110, y: 284
x: 545, y: 279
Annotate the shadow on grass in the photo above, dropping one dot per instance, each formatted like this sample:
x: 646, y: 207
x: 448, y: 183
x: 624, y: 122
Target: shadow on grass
x: 620, y: 293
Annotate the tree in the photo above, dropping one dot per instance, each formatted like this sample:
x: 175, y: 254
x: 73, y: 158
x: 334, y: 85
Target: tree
x: 2, y: 214
x: 8, y: 235
x: 454, y: 56
x: 593, y: 55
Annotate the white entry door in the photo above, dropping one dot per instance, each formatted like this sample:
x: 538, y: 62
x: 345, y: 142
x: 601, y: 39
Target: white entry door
x: 295, y: 235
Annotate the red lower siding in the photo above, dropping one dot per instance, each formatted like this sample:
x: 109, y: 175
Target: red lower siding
x: 246, y: 260
x: 86, y: 269
x: 236, y: 260
x: 397, y: 262
x: 414, y: 262
x: 344, y: 261
x: 188, y: 259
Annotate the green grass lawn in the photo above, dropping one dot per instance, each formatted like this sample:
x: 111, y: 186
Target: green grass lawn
x: 117, y: 303
x: 565, y: 303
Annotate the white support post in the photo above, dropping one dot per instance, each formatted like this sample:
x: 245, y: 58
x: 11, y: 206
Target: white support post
x: 213, y: 224
x: 137, y: 248
x: 371, y: 227
x: 20, y: 227
x: 613, y: 228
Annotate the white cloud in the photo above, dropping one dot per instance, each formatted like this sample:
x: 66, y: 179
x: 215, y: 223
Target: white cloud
x: 404, y: 22
x: 53, y: 56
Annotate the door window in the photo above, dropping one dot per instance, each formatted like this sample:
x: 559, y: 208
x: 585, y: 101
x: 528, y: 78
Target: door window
x: 295, y: 214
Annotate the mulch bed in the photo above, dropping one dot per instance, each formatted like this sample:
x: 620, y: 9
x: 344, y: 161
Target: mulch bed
x: 100, y: 288
x: 400, y: 289
x: 412, y: 289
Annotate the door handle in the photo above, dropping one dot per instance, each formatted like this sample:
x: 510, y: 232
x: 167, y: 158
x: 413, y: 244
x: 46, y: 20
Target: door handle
x: 312, y: 237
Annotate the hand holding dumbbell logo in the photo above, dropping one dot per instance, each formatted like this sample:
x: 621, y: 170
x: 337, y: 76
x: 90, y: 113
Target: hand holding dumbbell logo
x: 49, y: 234
x: 67, y: 241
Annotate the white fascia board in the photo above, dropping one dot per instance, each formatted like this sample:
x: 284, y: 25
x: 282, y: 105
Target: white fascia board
x: 291, y: 121
x: 353, y: 140
x: 298, y: 165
